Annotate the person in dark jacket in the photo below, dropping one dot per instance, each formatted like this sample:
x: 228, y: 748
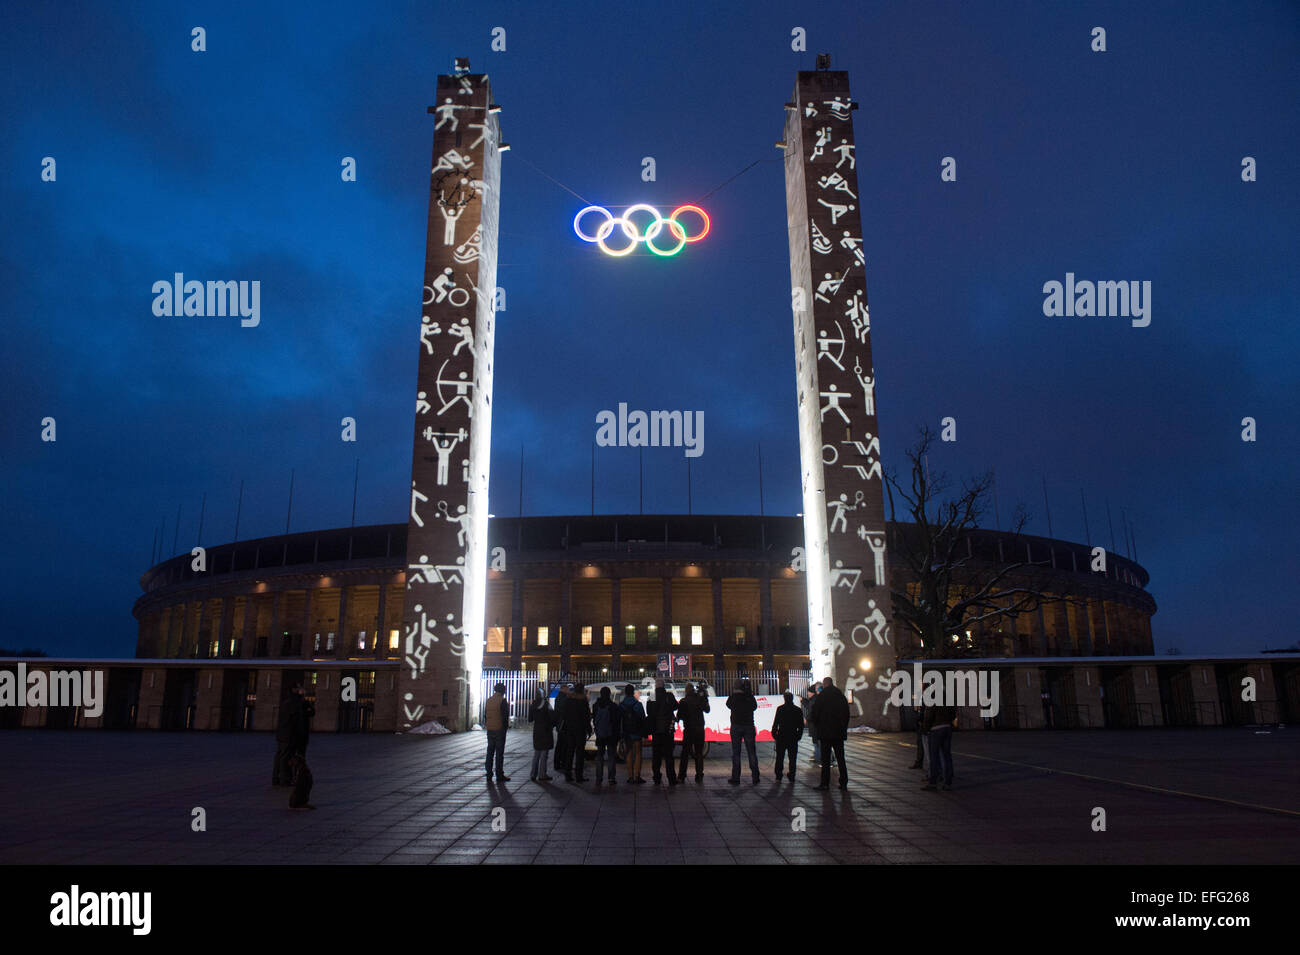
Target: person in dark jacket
x: 787, y: 729
x: 633, y: 723
x: 831, y: 714
x: 810, y: 697
x: 496, y: 720
x: 742, y: 704
x: 691, y: 712
x: 939, y: 724
x: 607, y: 722
x: 577, y: 727
x: 563, y: 758
x: 543, y: 720
x: 663, y: 722
x: 292, y: 730
x: 921, y: 739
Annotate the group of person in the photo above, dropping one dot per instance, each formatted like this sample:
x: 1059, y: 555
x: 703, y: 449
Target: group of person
x: 934, y: 726
x: 564, y: 729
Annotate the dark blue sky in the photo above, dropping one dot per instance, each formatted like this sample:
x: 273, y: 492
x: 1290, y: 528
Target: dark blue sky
x: 225, y: 165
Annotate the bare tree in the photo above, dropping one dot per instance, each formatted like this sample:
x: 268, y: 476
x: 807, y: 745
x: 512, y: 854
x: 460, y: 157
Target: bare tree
x: 957, y: 591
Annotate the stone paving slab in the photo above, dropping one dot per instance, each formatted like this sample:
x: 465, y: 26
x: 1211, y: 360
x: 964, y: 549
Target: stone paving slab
x: 1226, y: 796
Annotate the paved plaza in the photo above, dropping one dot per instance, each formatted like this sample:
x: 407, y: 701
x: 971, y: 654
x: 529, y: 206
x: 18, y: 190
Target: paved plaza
x: 1170, y: 796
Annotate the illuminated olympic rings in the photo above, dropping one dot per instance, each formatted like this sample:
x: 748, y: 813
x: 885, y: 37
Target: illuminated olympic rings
x: 633, y: 235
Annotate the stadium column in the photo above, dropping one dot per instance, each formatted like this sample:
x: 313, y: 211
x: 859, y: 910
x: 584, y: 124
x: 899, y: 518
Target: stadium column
x: 840, y: 469
x: 446, y: 576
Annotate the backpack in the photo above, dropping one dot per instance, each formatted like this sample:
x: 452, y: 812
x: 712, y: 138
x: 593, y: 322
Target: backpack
x: 633, y: 722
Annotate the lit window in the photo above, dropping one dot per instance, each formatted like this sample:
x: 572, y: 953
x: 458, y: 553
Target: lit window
x: 586, y: 636
x: 393, y: 639
x: 677, y: 636
x: 543, y: 636
x: 629, y: 635
x: 608, y: 636
x: 361, y: 640
x: 315, y: 645
x: 652, y: 635
x: 697, y: 636
x: 329, y: 641
x: 740, y: 636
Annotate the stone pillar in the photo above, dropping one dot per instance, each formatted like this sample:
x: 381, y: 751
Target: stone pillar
x: 342, y: 647
x: 207, y: 699
x: 1205, y: 694
x: 447, y: 539
x: 767, y: 637
x: 201, y: 635
x: 719, y: 626
x: 268, y: 698
x: 308, y: 637
x: 839, y: 449
x: 1145, y: 683
x: 224, y: 633
x: 1088, y: 697
x: 153, y: 681
x: 381, y: 634
x: 616, y: 623
x: 328, y: 691
x: 273, y: 638
x: 248, y: 648
x: 517, y: 623
x: 565, y: 636
x: 666, y: 621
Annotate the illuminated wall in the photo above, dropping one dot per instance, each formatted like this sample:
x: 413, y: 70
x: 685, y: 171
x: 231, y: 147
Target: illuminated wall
x: 840, y: 470
x: 446, y: 579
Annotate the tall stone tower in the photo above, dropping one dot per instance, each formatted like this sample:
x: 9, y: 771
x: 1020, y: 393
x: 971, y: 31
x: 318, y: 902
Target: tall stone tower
x: 839, y: 447
x: 446, y: 545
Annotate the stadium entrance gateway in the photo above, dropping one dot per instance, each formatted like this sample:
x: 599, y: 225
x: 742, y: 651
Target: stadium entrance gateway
x: 443, y: 635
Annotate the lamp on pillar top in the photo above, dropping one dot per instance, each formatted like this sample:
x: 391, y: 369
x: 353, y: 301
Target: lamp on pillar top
x: 823, y: 61
x: 461, y: 64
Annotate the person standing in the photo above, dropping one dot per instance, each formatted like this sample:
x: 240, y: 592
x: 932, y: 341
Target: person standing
x: 921, y: 739
x: 742, y: 704
x: 292, y: 731
x: 563, y: 758
x: 633, y: 726
x: 543, y: 720
x: 663, y: 722
x: 787, y: 729
x: 831, y: 714
x: 605, y: 718
x: 809, y: 699
x: 577, y: 728
x: 940, y: 722
x: 496, y: 720
x: 691, y: 712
